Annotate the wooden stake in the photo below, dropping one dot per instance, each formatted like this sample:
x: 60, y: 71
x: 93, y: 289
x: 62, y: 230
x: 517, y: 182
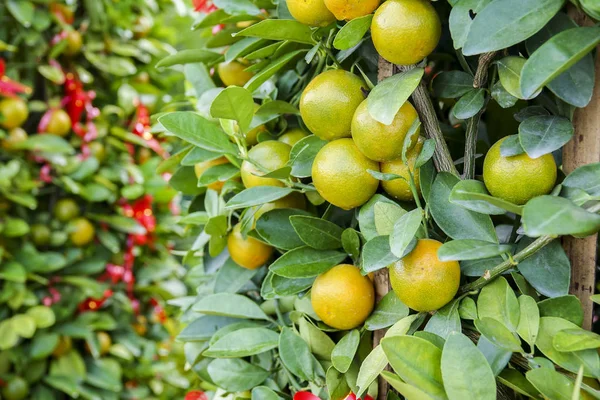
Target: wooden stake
x: 583, y: 149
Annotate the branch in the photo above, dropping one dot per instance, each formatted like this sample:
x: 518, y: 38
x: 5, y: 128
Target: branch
x: 441, y: 157
x: 473, y: 123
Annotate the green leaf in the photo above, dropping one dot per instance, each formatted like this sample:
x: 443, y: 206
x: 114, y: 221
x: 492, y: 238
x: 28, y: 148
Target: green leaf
x: 65, y: 384
x: 46, y: 143
x: 386, y: 215
x: 231, y: 277
x: 498, y: 301
x: 105, y: 374
x: 303, y: 154
x: 305, y: 262
x: 503, y: 24
x: 275, y: 228
x: 236, y: 374
x: 344, y: 351
x: 273, y: 67
x: 389, y: 95
x: 454, y: 220
x: 548, y: 270
x: 472, y: 195
x: 404, y: 232
x: 529, y: 320
x: 257, y: 195
x: 352, y: 33
x: 502, y: 97
x: 288, y: 287
x: 550, y: 383
x: 409, y: 392
x: 280, y: 29
x: 452, y: 84
x: 22, y: 10
x: 263, y: 393
x: 43, y: 316
x: 377, y: 254
x: 576, y: 84
x: 243, y: 343
x: 42, y: 345
x: 236, y: 7
x: 120, y: 223
x: 366, y: 215
x: 517, y: 382
x: 470, y: 249
x: 13, y: 271
x: 551, y: 215
x: 426, y: 153
x: 543, y: 134
x: 575, y: 340
x: 387, y: 312
x: 317, y: 233
x: 417, y: 361
x: 465, y: 370
x: 189, y: 57
x: 24, y: 325
x: 509, y: 72
x: 295, y: 355
x: 203, y: 328
x: 461, y: 20
x: 566, y: 307
x: 229, y: 305
x: 445, y: 321
x: 351, y: 243
x: 586, y: 178
x: 511, y: 146
x: 198, y: 131
x: 243, y: 47
x: 370, y: 369
x: 498, y: 334
x: 556, y: 56
x: 218, y: 173
x: 319, y: 342
x: 571, y: 361
x: 234, y: 103
x: 469, y: 104
x: 467, y: 309
x: 337, y: 385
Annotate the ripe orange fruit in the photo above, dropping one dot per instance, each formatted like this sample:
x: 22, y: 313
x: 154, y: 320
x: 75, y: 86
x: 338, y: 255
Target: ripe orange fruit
x: 378, y: 141
x: 405, y: 31
x: 249, y: 253
x: 81, y: 232
x: 233, y: 74
x: 13, y: 112
x: 340, y: 175
x: 270, y: 155
x: 59, y: 123
x: 310, y: 12
x: 74, y: 42
x: 350, y: 9
x: 201, y: 168
x: 329, y: 102
x: 342, y: 297
x: 292, y: 136
x: 14, y: 137
x: 422, y: 281
x: 400, y: 188
x: 518, y: 178
x: 66, y: 209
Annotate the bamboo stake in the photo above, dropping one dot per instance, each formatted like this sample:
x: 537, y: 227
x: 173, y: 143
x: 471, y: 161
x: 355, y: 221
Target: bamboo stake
x: 583, y: 149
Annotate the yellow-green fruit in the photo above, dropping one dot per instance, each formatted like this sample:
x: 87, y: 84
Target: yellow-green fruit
x: 342, y: 297
x: 14, y: 137
x: 97, y: 150
x: 59, y: 123
x: 310, y: 12
x: 405, y: 31
x: 74, y: 42
x: 81, y: 232
x: 270, y: 155
x: 248, y: 253
x: 13, y: 112
x: 104, y: 341
x: 519, y: 178
x: 66, y: 209
x: 340, y: 175
x: 233, y: 74
x: 350, y: 9
x: 292, y: 136
x: 329, y: 102
x: 422, y: 281
x: 378, y: 141
x: 252, y: 135
x: 400, y: 188
x: 40, y: 234
x: 292, y: 200
x: 201, y: 168
x: 65, y: 344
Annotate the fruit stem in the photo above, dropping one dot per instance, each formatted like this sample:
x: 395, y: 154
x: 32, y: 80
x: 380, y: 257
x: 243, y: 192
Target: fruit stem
x: 473, y: 123
x: 501, y: 268
x: 422, y: 102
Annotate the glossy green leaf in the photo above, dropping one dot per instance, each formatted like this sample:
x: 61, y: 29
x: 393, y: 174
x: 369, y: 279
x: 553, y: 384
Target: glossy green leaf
x: 467, y: 309
x: 509, y: 72
x: 452, y: 84
x: 445, y: 320
x: 46, y: 143
x: 243, y: 343
x: 551, y: 215
x: 352, y: 33
x: 303, y: 154
x: 236, y: 374
x: 405, y: 229
x: 366, y: 215
x: 275, y: 228
x: 263, y: 393
x: 517, y: 382
x: 43, y: 316
x: 575, y: 340
x: 387, y: 312
x: 498, y: 334
x: 344, y: 351
x: 319, y: 342
x: 586, y: 178
x: 529, y: 320
x: 337, y: 385
x: 317, y: 233
x: 306, y: 262
x: 273, y: 67
x: 409, y: 392
x: 188, y: 57
x: 567, y: 307
x: 257, y: 195
x: 460, y: 19
x: 370, y: 369
x: 548, y: 270
x: 389, y: 95
x: 377, y: 254
x: 296, y: 356
x: 543, y: 134
x: 472, y: 195
x: 550, y: 383
x: 511, y: 146
x: 497, y: 300
x: 469, y: 104
x: 229, y: 305
x: 470, y: 249
x: 280, y: 29
x: 234, y: 103
x: 385, y: 216
x: 24, y: 325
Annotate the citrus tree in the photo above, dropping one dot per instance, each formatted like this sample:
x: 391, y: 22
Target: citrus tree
x: 308, y: 180
x: 86, y: 224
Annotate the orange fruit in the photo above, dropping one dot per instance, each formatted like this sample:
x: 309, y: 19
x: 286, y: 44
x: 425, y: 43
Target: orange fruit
x: 422, y: 281
x: 518, y: 178
x: 13, y: 112
x: 233, y: 74
x: 292, y: 136
x: 249, y: 253
x: 270, y: 155
x: 350, y: 9
x: 405, y: 31
x: 339, y: 173
x: 378, y: 141
x: 310, y: 12
x: 400, y: 188
x: 329, y: 102
x: 201, y: 168
x: 59, y: 123
x: 342, y: 297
